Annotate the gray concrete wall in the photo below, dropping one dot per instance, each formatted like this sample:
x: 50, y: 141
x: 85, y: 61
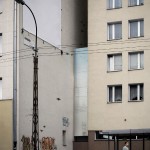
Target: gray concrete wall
x: 74, y: 24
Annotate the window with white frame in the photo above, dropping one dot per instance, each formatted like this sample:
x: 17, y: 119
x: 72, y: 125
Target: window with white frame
x: 115, y: 62
x: 114, y: 31
x: 1, y: 6
x: 136, y: 28
x: 136, y: 60
x: 0, y: 44
x: 111, y: 4
x: 136, y: 92
x: 0, y: 88
x: 114, y: 93
x: 136, y: 2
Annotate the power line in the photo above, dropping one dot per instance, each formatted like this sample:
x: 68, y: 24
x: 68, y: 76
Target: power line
x: 74, y: 45
x: 98, y: 51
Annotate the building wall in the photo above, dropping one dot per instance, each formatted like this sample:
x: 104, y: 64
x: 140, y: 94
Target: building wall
x: 56, y: 83
x: 6, y: 124
x: 80, y: 145
x: 73, y: 24
x: 125, y: 115
x: 80, y: 103
x: 6, y: 73
x: 6, y: 62
x: 109, y: 145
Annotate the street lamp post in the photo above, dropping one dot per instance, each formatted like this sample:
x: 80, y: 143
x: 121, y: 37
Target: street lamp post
x: 35, y: 117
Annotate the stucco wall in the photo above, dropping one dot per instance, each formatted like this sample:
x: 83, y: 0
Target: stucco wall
x: 6, y: 125
x: 125, y: 115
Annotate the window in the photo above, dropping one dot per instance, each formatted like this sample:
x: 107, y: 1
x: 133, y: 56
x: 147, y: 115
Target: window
x: 114, y: 4
x: 0, y: 88
x: 114, y: 31
x: 136, y: 92
x: 136, y: 2
x: 136, y: 28
x: 114, y: 93
x: 64, y: 137
x: 115, y: 62
x: 101, y: 136
x: 1, y: 6
x: 136, y: 60
x: 0, y: 44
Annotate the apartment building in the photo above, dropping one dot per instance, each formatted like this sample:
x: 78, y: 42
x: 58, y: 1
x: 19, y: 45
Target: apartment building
x: 118, y: 90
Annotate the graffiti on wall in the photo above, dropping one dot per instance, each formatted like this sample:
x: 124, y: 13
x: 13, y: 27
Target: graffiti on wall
x: 48, y: 143
x: 26, y: 143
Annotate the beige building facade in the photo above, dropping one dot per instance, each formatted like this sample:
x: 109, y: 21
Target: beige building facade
x: 118, y: 91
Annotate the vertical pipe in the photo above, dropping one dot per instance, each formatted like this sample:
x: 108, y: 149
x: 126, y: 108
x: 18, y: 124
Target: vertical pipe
x: 130, y: 141
x: 117, y: 143
x: 108, y: 142
x: 15, y: 77
x: 143, y: 142
x: 114, y: 142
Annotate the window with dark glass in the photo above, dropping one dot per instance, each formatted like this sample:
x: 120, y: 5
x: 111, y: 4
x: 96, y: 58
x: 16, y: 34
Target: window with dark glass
x: 136, y: 2
x: 114, y: 31
x: 115, y: 62
x: 136, y: 28
x: 114, y: 4
x: 136, y: 92
x: 136, y: 60
x: 114, y: 93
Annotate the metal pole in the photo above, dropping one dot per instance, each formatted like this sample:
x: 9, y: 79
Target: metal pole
x: 35, y: 118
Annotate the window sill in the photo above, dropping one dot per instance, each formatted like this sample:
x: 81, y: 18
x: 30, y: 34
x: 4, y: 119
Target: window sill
x: 135, y: 69
x: 103, y: 140
x: 114, y: 39
x: 6, y: 100
x: 136, y: 101
x: 135, y: 37
x: 114, y: 8
x: 114, y: 71
x: 114, y: 102
x: 136, y: 5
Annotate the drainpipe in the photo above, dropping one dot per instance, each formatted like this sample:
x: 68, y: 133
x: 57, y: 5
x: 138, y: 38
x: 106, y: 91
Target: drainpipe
x: 15, y: 77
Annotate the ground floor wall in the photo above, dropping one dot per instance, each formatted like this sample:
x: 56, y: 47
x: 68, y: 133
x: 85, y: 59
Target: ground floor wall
x: 6, y: 125
x: 80, y: 145
x: 93, y: 144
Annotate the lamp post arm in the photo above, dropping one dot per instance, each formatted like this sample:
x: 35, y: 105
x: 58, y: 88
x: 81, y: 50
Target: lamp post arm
x: 35, y: 26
